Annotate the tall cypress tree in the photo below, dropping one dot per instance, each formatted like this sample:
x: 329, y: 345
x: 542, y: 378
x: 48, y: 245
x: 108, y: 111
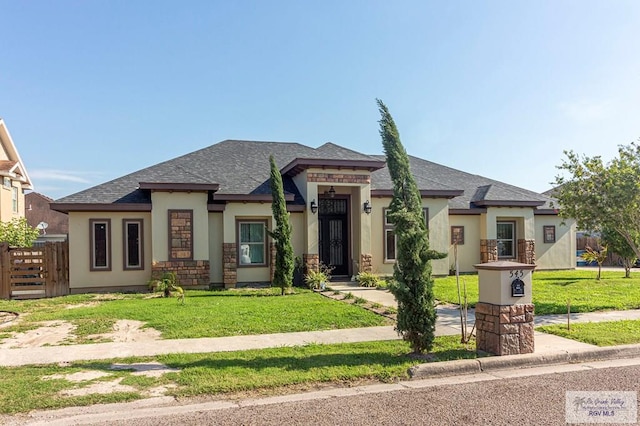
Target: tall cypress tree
x: 412, y: 283
x: 283, y: 274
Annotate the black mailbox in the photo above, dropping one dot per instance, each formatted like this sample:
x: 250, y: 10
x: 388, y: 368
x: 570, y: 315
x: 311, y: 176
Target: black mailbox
x: 517, y: 288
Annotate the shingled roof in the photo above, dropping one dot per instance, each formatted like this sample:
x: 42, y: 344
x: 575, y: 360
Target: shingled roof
x: 236, y: 168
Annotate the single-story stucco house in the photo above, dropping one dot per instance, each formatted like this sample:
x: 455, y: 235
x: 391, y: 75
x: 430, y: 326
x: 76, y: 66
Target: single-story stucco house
x: 203, y: 215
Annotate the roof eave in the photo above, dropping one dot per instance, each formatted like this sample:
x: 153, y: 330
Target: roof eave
x: 424, y: 193
x: 507, y: 203
x: 250, y: 198
x: 179, y: 187
x: 299, y: 164
x: 100, y: 207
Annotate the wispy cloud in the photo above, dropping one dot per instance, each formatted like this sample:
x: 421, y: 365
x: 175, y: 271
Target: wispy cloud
x: 586, y: 110
x: 62, y: 175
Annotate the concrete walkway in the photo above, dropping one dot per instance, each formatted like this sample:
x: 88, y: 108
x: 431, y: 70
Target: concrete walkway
x: 448, y: 324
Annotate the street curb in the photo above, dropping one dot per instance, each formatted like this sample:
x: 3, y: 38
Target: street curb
x: 494, y: 363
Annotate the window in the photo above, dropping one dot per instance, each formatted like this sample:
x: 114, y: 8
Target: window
x: 506, y: 239
x: 6, y: 182
x: 100, y: 244
x: 457, y: 235
x: 390, y: 245
x: 549, y: 233
x: 14, y: 198
x: 133, y: 244
x: 252, y: 243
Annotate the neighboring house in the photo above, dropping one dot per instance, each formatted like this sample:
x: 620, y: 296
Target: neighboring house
x: 53, y: 225
x: 204, y: 215
x: 15, y: 179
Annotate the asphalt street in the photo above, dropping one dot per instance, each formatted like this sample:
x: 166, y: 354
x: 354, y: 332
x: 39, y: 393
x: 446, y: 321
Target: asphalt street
x: 530, y: 396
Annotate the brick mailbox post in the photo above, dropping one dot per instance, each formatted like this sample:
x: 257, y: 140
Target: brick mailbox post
x: 504, y: 313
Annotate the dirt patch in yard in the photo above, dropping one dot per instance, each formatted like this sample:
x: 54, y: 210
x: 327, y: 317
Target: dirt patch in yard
x: 53, y: 333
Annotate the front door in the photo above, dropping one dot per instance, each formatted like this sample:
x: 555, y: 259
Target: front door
x: 333, y: 234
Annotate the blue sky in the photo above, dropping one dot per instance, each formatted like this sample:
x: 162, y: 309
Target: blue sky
x: 93, y: 90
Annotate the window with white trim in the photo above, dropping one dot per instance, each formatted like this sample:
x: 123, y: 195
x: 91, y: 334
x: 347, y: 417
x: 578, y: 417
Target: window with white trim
x: 133, y: 244
x: 100, y: 230
x: 390, y: 244
x: 506, y: 238
x: 252, y: 243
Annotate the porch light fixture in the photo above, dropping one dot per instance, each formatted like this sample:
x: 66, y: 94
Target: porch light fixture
x: 367, y: 207
x: 332, y: 192
x: 313, y: 206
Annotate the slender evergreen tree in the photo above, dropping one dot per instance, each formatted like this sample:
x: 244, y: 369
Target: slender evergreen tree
x: 283, y: 274
x: 412, y: 284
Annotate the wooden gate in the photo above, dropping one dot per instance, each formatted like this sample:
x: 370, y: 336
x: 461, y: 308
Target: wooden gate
x: 34, y: 272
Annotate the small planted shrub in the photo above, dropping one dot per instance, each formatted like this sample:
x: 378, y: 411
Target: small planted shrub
x: 368, y: 279
x: 318, y: 280
x: 167, y: 284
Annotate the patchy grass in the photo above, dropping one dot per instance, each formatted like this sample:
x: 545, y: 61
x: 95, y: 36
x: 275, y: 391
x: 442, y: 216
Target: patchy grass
x: 608, y: 333
x: 551, y: 289
x: 266, y: 370
x: 204, y: 313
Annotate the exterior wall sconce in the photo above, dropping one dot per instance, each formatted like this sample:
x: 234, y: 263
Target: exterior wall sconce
x: 313, y: 206
x: 332, y: 192
x: 367, y: 207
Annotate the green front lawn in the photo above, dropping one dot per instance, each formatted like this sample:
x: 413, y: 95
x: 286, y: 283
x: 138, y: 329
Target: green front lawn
x: 204, y: 313
x: 608, y: 333
x: 551, y: 289
x: 276, y: 370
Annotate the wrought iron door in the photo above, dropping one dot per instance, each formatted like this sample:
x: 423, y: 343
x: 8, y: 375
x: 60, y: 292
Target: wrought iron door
x: 333, y: 234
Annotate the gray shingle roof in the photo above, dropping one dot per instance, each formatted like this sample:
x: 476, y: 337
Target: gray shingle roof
x: 242, y: 167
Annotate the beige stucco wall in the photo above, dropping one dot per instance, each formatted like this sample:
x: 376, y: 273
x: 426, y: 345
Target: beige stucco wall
x: 215, y: 247
x: 163, y: 202
x: 469, y: 252
x: 525, y: 223
x: 79, y: 251
x: 438, y: 234
x: 6, y: 201
x: 562, y: 253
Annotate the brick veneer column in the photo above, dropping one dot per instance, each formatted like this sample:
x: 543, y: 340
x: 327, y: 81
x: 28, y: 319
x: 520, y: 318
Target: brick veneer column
x: 488, y: 251
x: 366, y: 263
x: 504, y: 330
x: 311, y: 262
x: 230, y: 264
x: 527, y: 251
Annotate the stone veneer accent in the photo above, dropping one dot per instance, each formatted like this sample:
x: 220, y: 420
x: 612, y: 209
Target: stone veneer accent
x: 338, y: 178
x: 180, y: 234
x: 229, y: 264
x: 366, y: 263
x: 311, y: 262
x: 190, y: 273
x: 504, y: 330
x: 488, y: 251
x: 527, y: 251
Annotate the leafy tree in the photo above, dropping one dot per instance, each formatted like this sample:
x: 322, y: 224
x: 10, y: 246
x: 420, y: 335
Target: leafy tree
x: 18, y: 233
x: 412, y: 283
x: 603, y: 197
x: 283, y: 274
x: 618, y: 245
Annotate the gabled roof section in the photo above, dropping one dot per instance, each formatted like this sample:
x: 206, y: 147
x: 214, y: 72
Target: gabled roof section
x: 334, y: 156
x: 494, y: 196
x: 231, y: 168
x: 12, y: 166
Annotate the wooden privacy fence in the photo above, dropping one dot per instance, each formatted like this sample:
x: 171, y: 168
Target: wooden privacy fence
x: 34, y: 272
